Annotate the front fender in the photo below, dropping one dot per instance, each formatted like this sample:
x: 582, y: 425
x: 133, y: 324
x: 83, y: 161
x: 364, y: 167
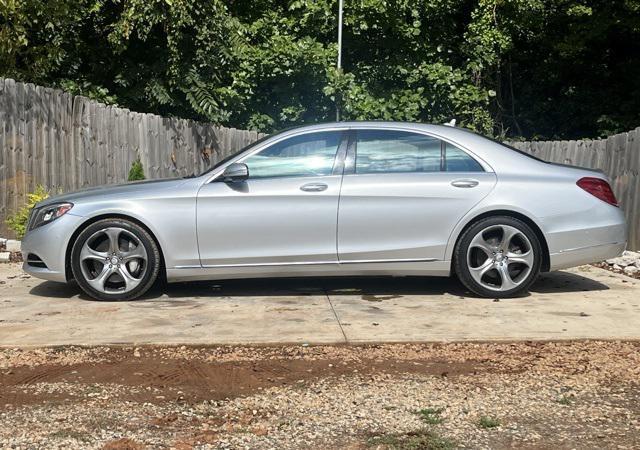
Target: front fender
x: 172, y: 221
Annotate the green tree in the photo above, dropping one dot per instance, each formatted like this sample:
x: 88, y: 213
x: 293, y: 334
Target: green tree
x: 530, y: 68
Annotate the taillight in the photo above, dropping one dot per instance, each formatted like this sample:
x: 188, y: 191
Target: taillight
x: 598, y: 188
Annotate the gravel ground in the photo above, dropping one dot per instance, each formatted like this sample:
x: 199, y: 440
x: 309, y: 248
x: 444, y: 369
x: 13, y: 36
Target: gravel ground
x: 628, y: 264
x: 523, y: 395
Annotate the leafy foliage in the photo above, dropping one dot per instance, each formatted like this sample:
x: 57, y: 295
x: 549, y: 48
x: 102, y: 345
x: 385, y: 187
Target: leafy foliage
x: 136, y: 173
x: 531, y: 68
x: 17, y: 222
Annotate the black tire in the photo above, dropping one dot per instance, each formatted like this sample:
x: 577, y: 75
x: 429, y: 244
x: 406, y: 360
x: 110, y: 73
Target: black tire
x: 152, y: 266
x: 460, y: 265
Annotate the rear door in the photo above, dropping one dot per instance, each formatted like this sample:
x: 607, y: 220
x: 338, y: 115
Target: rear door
x: 402, y: 194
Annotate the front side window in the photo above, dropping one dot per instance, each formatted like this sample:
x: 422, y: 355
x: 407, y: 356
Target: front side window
x: 306, y: 155
x: 390, y: 151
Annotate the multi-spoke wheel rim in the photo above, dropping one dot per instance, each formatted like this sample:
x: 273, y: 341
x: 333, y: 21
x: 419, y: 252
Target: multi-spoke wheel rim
x: 113, y: 260
x: 500, y: 258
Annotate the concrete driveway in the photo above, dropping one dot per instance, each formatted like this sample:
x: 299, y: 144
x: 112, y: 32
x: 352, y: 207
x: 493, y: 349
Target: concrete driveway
x: 585, y: 302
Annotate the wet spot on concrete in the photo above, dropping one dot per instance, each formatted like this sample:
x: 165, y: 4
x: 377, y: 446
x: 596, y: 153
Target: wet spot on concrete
x: 284, y: 309
x: 379, y: 298
x: 569, y: 314
x: 167, y: 304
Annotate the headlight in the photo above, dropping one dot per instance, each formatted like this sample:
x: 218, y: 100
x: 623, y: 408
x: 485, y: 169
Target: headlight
x: 48, y: 214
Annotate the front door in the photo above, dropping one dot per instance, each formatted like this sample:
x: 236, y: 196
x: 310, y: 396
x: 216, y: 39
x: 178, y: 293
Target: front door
x: 285, y: 213
x: 404, y: 195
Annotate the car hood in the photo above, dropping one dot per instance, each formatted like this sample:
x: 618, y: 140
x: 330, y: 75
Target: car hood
x: 119, y: 190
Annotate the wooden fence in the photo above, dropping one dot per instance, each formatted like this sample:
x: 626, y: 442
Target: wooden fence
x: 67, y: 142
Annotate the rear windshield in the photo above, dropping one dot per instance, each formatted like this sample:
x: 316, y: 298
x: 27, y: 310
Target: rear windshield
x: 529, y: 155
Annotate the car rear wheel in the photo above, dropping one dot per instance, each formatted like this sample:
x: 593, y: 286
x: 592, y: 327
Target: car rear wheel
x: 498, y: 257
x: 115, y: 259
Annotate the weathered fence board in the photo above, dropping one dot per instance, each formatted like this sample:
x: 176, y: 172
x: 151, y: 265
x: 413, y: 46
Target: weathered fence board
x: 67, y: 142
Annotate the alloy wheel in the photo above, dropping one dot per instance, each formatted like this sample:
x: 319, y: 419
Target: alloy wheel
x: 500, y: 258
x: 113, y: 260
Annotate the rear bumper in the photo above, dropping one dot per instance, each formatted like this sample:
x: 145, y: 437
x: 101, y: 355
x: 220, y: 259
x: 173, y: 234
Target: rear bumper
x: 586, y: 255
x: 49, y: 243
x: 585, y: 236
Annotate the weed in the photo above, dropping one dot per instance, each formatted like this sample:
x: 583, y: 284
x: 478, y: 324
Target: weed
x: 565, y: 400
x: 488, y: 422
x: 68, y: 433
x: 417, y: 440
x: 431, y: 415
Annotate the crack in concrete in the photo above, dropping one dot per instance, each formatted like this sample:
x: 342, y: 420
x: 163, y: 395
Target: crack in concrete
x: 326, y: 294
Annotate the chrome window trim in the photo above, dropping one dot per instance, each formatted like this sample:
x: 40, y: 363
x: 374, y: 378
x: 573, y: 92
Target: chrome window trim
x: 485, y: 166
x: 297, y: 132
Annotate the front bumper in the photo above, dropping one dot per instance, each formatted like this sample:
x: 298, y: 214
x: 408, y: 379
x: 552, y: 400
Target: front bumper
x: 49, y: 243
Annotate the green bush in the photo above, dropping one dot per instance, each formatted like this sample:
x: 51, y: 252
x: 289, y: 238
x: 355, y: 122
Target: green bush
x: 136, y: 172
x: 17, y: 222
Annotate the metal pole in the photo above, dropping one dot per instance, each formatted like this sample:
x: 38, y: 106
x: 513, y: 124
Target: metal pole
x: 339, y: 65
x: 339, y: 34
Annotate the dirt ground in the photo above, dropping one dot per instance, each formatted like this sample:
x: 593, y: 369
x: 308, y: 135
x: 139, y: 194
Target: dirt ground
x: 540, y: 395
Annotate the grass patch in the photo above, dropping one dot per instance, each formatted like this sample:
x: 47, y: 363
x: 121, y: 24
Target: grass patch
x: 565, y: 400
x: 69, y: 433
x: 488, y: 422
x: 417, y: 440
x: 431, y: 415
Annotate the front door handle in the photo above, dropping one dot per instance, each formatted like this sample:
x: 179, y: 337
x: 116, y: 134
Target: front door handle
x: 313, y: 187
x: 465, y: 183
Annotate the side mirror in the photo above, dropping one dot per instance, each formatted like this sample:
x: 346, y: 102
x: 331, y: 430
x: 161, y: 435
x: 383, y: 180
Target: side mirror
x: 235, y: 172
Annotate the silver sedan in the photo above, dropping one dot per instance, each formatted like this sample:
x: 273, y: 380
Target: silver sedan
x: 349, y: 198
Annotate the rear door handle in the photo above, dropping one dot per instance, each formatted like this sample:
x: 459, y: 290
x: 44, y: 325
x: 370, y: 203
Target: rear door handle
x: 465, y: 183
x: 313, y: 187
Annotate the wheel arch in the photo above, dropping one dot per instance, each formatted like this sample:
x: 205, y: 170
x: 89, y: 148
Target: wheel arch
x: 89, y: 221
x: 546, y: 259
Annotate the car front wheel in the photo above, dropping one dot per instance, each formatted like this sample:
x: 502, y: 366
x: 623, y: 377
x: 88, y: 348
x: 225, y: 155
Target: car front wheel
x: 498, y: 257
x: 115, y: 259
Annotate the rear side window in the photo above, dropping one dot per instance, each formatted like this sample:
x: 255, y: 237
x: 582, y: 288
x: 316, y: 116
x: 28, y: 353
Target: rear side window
x: 456, y: 160
x: 389, y: 151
